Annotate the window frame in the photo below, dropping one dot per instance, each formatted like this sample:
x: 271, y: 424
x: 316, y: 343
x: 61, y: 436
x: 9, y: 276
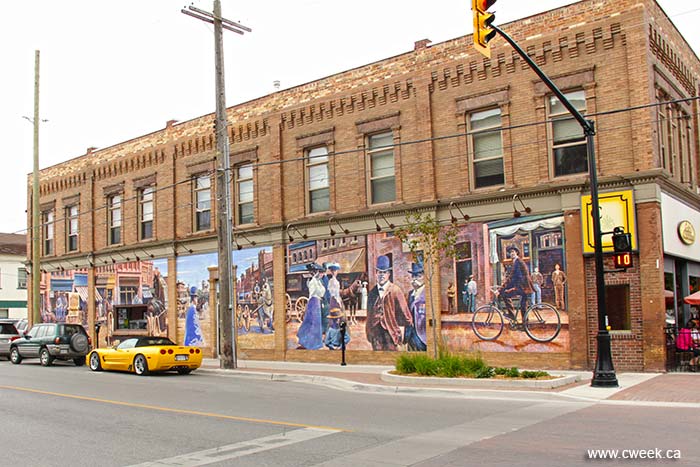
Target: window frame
x: 21, y: 273
x: 112, y: 226
x: 373, y: 152
x: 48, y: 231
x: 238, y: 182
x: 472, y: 145
x: 309, y: 165
x: 146, y: 227
x: 196, y: 211
x: 562, y: 116
x: 72, y: 227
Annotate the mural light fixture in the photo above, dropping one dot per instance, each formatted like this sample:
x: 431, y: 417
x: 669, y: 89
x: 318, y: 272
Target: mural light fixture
x: 516, y: 212
x: 238, y: 245
x: 376, y: 224
x: 150, y: 255
x: 333, y: 232
x: 289, y: 235
x: 454, y: 219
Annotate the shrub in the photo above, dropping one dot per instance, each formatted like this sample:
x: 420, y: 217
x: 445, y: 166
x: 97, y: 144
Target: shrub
x: 405, y: 364
x: 533, y: 374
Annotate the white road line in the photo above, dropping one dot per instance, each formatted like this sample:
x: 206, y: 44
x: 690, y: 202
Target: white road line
x: 244, y: 448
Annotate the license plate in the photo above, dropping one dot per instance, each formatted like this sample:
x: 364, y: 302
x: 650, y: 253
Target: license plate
x: 182, y: 357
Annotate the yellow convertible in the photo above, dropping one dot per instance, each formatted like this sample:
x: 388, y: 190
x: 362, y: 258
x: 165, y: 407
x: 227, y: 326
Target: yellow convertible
x: 144, y: 355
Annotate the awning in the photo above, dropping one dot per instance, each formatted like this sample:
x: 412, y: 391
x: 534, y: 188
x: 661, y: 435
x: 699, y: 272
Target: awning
x: 83, y: 292
x: 693, y: 299
x: 350, y: 260
x: 62, y: 285
x: 524, y: 224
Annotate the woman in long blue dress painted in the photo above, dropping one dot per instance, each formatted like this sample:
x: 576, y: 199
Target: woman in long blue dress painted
x: 193, y: 331
x: 310, y: 333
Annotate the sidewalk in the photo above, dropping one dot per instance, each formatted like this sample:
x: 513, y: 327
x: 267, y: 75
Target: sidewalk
x: 672, y: 389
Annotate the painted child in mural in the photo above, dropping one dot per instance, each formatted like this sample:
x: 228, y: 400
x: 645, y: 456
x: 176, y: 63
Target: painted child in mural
x: 559, y: 279
x: 333, y: 339
x: 517, y: 283
x: 387, y: 310
x: 451, y: 294
x: 414, y: 336
x: 472, y: 291
x: 310, y: 333
x: 193, y: 331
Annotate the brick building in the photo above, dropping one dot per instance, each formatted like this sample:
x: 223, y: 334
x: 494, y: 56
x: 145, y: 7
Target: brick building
x: 437, y: 130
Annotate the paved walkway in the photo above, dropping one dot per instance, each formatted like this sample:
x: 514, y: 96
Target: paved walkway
x: 671, y: 389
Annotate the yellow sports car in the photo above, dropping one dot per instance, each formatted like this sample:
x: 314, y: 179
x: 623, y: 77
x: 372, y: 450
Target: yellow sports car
x: 144, y: 355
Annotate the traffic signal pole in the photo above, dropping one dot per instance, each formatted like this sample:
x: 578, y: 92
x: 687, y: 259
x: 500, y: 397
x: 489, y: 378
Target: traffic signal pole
x: 604, y: 373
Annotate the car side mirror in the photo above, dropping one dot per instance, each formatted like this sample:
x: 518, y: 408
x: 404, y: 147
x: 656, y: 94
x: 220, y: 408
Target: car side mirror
x: 27, y: 336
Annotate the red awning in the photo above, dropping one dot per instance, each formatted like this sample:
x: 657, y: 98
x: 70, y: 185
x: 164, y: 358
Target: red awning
x: 693, y: 299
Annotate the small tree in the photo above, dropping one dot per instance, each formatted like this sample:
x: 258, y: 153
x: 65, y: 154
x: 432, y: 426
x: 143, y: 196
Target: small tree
x: 423, y: 234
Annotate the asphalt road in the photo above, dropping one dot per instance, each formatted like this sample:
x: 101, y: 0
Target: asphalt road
x: 69, y: 416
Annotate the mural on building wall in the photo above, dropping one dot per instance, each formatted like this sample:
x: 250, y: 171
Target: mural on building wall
x: 523, y: 260
x: 254, y: 298
x: 64, y: 296
x: 195, y: 319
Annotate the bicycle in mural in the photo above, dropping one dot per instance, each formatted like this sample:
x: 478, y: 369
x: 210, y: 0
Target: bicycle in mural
x: 541, y: 321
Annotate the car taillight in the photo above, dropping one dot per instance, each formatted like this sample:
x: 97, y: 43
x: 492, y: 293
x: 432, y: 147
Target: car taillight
x: 162, y: 351
x: 170, y: 351
x: 197, y: 350
x: 14, y: 338
x: 89, y: 341
x: 57, y: 340
x: 191, y: 350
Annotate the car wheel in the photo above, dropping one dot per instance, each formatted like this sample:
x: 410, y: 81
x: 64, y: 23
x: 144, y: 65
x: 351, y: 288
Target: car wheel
x: 15, y: 357
x: 140, y: 365
x: 79, y: 343
x: 184, y: 371
x: 79, y: 361
x: 45, y: 357
x: 95, y: 364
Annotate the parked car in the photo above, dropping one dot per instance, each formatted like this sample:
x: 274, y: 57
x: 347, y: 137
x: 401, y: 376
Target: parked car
x: 22, y: 325
x: 50, y: 341
x: 145, y: 354
x: 8, y: 333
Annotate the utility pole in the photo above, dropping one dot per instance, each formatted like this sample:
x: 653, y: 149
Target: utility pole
x: 227, y: 330
x: 36, y: 228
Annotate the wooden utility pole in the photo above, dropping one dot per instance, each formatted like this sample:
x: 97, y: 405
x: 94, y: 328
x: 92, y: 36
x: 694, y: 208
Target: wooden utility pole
x: 36, y: 227
x: 227, y: 329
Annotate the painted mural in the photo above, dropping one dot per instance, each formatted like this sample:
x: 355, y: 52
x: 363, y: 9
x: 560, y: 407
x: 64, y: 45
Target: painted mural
x: 195, y: 318
x: 64, y: 296
x: 254, y: 298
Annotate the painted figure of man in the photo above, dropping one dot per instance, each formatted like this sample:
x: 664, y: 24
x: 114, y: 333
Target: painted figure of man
x: 465, y: 294
x: 387, y: 310
x: 471, y: 293
x: 414, y: 336
x: 451, y: 294
x: 537, y: 283
x: 559, y: 279
x: 517, y: 283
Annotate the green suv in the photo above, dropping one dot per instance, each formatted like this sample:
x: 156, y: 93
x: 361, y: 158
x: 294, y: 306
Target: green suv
x: 49, y: 341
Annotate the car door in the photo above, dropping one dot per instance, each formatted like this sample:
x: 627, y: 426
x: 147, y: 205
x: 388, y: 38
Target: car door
x: 123, y: 356
x: 29, y: 345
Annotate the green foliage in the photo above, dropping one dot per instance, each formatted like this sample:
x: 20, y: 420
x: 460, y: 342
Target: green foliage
x: 405, y: 364
x: 448, y: 365
x: 422, y: 233
x: 533, y: 374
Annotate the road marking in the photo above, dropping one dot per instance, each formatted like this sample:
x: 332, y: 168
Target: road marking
x: 244, y: 448
x: 181, y: 411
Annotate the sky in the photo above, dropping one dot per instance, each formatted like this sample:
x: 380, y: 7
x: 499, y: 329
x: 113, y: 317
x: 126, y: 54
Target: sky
x: 114, y: 70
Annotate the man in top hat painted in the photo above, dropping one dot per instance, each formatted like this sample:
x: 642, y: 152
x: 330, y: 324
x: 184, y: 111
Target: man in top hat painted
x: 414, y: 336
x: 387, y: 310
x: 517, y: 283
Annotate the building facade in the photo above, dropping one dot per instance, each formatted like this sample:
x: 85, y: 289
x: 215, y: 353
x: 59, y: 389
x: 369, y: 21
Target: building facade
x: 323, y: 173
x: 13, y: 276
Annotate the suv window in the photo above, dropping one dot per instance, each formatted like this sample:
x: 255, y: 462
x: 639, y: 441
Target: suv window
x: 50, y: 330
x: 38, y: 330
x: 70, y: 329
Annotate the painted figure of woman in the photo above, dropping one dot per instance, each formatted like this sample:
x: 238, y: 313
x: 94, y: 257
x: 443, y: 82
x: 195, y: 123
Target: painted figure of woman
x: 310, y: 333
x: 193, y: 331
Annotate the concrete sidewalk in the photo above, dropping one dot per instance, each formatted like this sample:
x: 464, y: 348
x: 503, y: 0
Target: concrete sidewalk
x: 668, y: 389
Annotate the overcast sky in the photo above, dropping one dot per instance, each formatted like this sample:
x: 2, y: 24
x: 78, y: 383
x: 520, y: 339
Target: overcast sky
x: 115, y: 70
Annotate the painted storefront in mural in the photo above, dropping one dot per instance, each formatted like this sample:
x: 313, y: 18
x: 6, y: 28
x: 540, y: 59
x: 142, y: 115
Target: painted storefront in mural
x: 254, y: 298
x: 195, y: 318
x: 377, y: 287
x: 64, y: 296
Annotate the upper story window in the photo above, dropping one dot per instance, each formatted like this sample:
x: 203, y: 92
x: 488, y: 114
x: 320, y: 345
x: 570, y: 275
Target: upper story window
x: 676, y: 152
x: 21, y: 278
x: 245, y: 194
x: 487, y: 147
x: 47, y: 231
x: 382, y: 175
x: 202, y: 202
x: 146, y: 212
x: 114, y: 219
x: 318, y: 180
x: 568, y: 140
x: 72, y: 228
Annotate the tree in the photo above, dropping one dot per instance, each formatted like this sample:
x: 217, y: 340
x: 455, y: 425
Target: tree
x: 427, y: 238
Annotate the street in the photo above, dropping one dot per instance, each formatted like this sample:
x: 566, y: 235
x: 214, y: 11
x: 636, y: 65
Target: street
x: 68, y: 416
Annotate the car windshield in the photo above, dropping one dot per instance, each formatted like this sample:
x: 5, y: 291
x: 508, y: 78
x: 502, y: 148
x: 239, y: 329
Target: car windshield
x: 148, y: 341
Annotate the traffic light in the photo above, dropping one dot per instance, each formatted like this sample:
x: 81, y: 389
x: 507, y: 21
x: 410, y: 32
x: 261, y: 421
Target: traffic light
x: 482, y: 25
x: 622, y: 244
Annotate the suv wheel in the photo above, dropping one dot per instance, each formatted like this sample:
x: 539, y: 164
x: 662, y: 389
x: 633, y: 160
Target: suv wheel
x: 15, y: 357
x: 79, y: 361
x: 79, y: 343
x: 140, y: 365
x: 45, y: 357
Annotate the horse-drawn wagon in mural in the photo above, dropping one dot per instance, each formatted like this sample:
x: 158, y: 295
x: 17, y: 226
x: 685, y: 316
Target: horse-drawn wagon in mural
x: 255, y: 305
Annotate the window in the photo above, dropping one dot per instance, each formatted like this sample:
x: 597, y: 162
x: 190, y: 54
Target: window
x: 487, y: 147
x: 381, y: 168
x: 245, y: 194
x: 114, y: 214
x: 675, y: 140
x: 146, y: 213
x: 617, y: 304
x: 202, y: 202
x: 21, y: 278
x: 47, y: 231
x: 318, y: 181
x: 72, y: 228
x: 568, y: 140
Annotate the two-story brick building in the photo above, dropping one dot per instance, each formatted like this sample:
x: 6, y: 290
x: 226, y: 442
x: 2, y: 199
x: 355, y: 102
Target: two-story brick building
x: 322, y: 174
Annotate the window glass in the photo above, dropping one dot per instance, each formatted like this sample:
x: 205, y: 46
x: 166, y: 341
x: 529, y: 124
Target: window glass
x: 127, y: 344
x: 487, y: 147
x: 568, y: 140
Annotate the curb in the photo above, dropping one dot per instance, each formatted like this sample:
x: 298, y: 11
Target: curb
x: 487, y: 383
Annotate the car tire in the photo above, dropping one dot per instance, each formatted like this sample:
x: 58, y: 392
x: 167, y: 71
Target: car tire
x: 79, y: 343
x: 184, y: 371
x: 140, y: 365
x: 95, y: 364
x: 79, y: 361
x: 15, y: 357
x: 45, y: 357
